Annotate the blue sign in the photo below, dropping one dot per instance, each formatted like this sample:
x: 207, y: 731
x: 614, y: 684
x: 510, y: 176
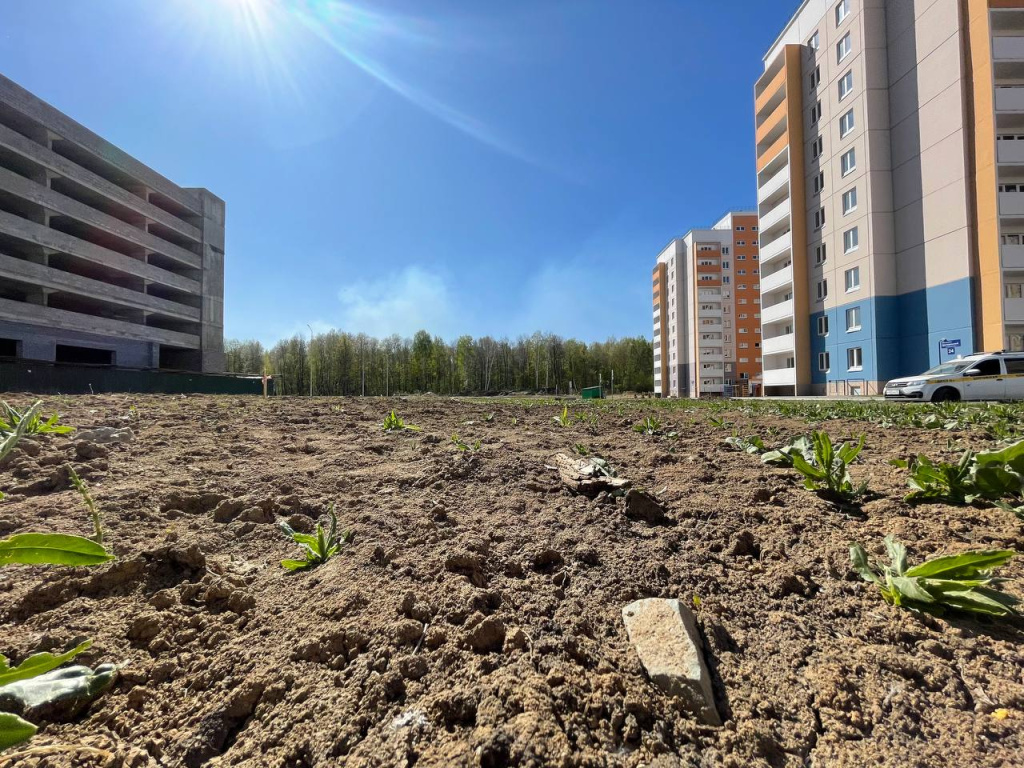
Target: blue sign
x: 950, y: 350
x: 950, y: 342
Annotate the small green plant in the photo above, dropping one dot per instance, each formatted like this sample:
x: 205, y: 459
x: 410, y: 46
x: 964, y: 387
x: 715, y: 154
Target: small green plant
x: 317, y: 548
x: 961, y: 582
x: 563, y: 419
x: 51, y: 549
x: 649, y: 426
x: 581, y: 449
x: 90, y: 504
x: 752, y: 444
x: 393, y: 422
x: 29, y: 422
x: 828, y: 474
x: 783, y: 457
x: 463, y: 446
x: 719, y: 422
x: 489, y: 417
x: 29, y: 682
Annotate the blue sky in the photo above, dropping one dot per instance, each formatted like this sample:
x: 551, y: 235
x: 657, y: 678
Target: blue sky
x: 465, y: 167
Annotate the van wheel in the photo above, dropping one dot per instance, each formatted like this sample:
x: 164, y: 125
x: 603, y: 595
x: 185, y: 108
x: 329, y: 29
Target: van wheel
x: 946, y: 395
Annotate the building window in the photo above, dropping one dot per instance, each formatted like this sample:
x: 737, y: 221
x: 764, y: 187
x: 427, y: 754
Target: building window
x: 817, y: 147
x: 822, y: 290
x: 823, y: 325
x: 820, y: 254
x: 741, y: 242
x: 815, y: 77
x: 854, y: 359
x: 849, y: 200
x: 1013, y: 290
x: 843, y: 47
x: 851, y: 240
x: 845, y: 85
x: 846, y: 124
x: 819, y: 218
x: 815, y: 42
x: 848, y: 162
x: 853, y: 319
x: 818, y: 183
x: 823, y: 361
x: 842, y: 11
x: 816, y: 113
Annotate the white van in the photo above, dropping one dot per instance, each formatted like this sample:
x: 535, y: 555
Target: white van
x: 985, y: 376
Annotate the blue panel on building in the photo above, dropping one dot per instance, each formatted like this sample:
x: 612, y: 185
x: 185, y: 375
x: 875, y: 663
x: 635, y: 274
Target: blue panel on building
x: 898, y: 335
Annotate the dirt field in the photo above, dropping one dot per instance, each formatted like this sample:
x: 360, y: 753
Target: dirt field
x: 392, y: 654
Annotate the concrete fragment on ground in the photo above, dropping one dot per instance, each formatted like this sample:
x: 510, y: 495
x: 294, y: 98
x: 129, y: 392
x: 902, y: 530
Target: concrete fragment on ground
x: 643, y: 506
x: 107, y: 435
x: 666, y: 638
x: 588, y: 476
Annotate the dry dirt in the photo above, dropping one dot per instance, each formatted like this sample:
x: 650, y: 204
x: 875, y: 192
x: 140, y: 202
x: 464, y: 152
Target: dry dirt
x: 475, y: 619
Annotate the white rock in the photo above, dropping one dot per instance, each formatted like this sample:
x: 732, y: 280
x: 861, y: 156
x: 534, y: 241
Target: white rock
x: 665, y: 635
x: 107, y: 435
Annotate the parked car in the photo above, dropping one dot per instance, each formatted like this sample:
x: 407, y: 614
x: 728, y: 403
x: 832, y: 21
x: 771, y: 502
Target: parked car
x: 984, y: 376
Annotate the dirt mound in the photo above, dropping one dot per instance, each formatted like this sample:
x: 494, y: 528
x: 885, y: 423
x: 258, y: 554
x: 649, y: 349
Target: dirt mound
x: 476, y: 618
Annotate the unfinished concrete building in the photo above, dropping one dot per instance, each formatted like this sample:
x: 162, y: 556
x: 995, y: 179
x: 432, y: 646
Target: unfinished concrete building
x: 102, y: 260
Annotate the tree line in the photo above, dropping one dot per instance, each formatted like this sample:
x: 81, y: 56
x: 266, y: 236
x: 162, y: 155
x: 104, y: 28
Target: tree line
x: 356, y: 364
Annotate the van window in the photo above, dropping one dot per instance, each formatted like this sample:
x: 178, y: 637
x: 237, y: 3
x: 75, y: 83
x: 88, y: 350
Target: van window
x: 990, y: 367
x: 1014, y: 364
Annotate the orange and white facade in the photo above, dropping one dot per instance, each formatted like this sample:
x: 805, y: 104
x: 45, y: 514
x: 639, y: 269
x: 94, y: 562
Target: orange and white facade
x: 707, y: 317
x: 890, y: 176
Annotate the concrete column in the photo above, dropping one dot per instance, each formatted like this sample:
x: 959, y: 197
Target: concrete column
x: 212, y: 333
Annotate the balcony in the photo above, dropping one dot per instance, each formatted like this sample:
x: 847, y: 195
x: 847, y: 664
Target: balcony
x: 1013, y: 256
x: 777, y: 247
x: 709, y: 313
x: 712, y: 358
x: 714, y: 372
x: 776, y: 312
x: 1011, y: 203
x: 712, y: 388
x: 773, y: 185
x: 1010, y: 98
x: 1008, y: 48
x: 776, y: 280
x: 777, y: 344
x: 779, y: 377
x: 779, y: 213
x: 1010, y: 151
x: 709, y: 328
x: 1013, y: 310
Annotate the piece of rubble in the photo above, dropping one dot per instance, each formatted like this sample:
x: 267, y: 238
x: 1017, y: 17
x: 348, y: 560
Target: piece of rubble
x: 643, y: 506
x: 588, y: 476
x: 107, y: 435
x: 666, y: 638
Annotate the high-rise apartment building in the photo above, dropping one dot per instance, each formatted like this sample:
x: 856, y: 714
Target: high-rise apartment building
x: 102, y: 260
x: 890, y: 175
x: 707, y: 316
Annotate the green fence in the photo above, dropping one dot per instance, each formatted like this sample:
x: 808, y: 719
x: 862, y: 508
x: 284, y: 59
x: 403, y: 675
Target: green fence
x: 67, y: 379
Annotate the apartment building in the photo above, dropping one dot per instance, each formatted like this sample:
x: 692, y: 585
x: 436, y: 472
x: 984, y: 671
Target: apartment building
x: 890, y: 180
x: 707, y: 320
x: 102, y: 260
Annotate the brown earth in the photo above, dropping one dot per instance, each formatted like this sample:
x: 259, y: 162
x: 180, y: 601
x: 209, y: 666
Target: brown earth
x: 475, y: 619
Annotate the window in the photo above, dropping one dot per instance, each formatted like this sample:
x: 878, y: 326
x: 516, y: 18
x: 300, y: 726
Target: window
x: 815, y: 77
x: 815, y: 42
x: 823, y: 361
x: 816, y: 113
x: 989, y: 367
x: 845, y: 85
x: 849, y: 200
x: 820, y: 254
x: 741, y: 242
x: 842, y: 11
x: 818, y: 184
x: 848, y: 162
x: 843, y: 47
x: 853, y: 319
x: 741, y: 271
x: 819, y: 218
x: 1014, y: 364
x: 854, y: 359
x: 817, y: 147
x: 846, y: 124
x: 823, y: 325
x: 822, y: 290
x: 725, y: 265
x: 851, y: 240
x: 1013, y: 291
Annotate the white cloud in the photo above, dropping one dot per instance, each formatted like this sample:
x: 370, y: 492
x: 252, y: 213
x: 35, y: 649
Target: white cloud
x: 403, y: 303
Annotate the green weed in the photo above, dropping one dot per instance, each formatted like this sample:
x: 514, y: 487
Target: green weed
x: 317, y: 548
x: 394, y: 422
